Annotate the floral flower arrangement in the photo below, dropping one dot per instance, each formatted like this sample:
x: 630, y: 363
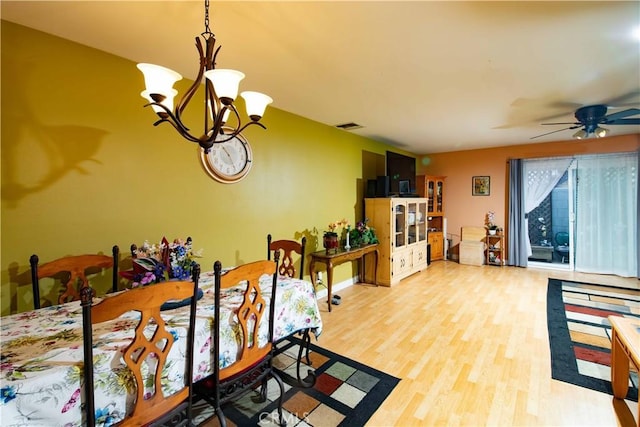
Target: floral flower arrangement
x: 490, y: 221
x: 153, y: 263
x: 330, y: 239
x: 333, y: 226
x: 181, y: 258
x: 362, y: 234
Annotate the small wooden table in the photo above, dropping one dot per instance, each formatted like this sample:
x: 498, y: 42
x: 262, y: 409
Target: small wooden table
x: 625, y: 349
x: 338, y: 256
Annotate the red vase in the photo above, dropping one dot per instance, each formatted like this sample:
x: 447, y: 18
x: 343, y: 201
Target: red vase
x: 330, y: 241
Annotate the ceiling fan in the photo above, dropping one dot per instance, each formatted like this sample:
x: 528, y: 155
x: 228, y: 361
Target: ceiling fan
x: 590, y: 117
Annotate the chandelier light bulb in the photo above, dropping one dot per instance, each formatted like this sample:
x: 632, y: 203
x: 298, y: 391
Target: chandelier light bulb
x: 256, y: 103
x: 225, y: 115
x: 226, y: 83
x: 158, y: 79
x: 167, y: 100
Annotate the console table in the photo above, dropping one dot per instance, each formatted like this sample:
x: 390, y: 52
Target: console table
x: 333, y: 257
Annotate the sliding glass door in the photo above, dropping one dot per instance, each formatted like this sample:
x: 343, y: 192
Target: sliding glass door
x: 587, y: 220
x: 606, y: 214
x: 551, y: 225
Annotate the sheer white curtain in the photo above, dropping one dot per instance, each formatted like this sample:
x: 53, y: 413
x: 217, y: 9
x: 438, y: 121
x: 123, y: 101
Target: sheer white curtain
x: 607, y: 214
x: 541, y: 176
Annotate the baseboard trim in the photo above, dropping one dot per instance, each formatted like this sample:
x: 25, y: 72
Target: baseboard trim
x: 322, y: 293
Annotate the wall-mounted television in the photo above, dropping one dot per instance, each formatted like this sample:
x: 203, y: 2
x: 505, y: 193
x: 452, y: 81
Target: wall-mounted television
x: 401, y: 168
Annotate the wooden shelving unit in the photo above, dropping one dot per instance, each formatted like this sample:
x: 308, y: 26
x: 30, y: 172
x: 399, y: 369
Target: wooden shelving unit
x: 495, y: 249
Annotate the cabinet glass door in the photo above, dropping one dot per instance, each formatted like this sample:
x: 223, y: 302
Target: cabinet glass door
x: 421, y: 221
x: 412, y: 227
x: 430, y: 187
x: 400, y: 213
x: 439, y: 196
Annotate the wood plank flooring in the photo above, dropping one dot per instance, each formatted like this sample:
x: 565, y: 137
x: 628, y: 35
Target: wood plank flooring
x: 470, y: 346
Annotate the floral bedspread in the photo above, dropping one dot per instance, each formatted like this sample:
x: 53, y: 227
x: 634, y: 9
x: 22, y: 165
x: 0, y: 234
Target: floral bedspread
x: 41, y: 353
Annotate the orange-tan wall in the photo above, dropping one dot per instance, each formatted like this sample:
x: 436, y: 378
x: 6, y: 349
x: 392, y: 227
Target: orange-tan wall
x: 461, y: 208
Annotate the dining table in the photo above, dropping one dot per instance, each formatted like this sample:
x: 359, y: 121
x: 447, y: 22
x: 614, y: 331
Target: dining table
x: 42, y: 357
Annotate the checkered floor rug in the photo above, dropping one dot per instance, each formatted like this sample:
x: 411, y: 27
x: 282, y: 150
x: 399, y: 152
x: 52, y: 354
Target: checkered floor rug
x: 346, y: 393
x: 580, y: 333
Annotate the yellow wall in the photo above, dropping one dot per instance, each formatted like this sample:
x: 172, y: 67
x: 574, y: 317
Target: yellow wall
x: 83, y: 169
x: 461, y: 208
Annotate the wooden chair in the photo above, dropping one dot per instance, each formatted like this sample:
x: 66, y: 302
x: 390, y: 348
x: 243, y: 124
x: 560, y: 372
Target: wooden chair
x: 150, y: 405
x: 72, y: 271
x: 287, y: 268
x: 288, y: 248
x: 254, y: 364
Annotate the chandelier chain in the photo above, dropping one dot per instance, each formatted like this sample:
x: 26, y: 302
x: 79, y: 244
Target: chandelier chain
x: 206, y: 17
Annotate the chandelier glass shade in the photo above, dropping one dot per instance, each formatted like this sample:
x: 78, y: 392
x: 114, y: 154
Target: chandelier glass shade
x: 220, y: 92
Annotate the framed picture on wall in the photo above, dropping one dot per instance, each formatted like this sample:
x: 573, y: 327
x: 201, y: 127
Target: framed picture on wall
x: 480, y: 186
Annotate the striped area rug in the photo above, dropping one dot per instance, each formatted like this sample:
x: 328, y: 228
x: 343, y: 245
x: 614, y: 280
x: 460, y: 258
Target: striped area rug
x: 580, y: 333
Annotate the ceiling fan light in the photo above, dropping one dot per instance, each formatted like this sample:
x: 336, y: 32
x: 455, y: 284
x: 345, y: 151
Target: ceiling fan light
x: 226, y: 83
x: 601, y: 132
x: 581, y: 134
x: 256, y: 103
x: 158, y: 79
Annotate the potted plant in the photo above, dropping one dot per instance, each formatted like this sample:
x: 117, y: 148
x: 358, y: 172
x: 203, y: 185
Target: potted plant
x: 490, y: 224
x: 362, y: 234
x: 330, y: 238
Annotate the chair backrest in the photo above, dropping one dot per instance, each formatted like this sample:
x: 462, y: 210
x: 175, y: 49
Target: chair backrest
x: 72, y: 272
x: 144, y: 354
x: 250, y: 314
x: 288, y: 248
x: 562, y: 238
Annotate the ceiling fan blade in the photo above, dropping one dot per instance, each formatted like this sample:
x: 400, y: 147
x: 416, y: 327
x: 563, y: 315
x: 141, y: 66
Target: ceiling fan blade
x: 624, y: 122
x: 625, y: 98
x: 620, y: 114
x: 559, y: 130
x: 567, y: 107
x: 562, y: 123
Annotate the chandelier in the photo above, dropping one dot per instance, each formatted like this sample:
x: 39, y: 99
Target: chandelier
x: 220, y: 92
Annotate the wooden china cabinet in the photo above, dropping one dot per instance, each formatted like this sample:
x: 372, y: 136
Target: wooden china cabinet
x: 401, y: 228
x: 432, y: 188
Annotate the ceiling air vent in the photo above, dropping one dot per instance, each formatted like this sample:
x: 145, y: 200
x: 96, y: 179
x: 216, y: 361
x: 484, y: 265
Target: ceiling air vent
x: 349, y: 126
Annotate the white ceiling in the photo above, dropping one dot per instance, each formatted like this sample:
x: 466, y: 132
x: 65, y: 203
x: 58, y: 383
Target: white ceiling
x: 424, y: 76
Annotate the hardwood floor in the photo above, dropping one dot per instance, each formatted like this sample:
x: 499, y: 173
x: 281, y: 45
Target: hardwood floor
x: 470, y: 346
